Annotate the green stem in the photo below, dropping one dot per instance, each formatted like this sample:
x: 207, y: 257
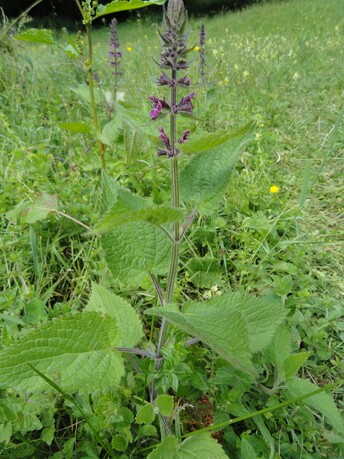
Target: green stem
x: 172, y: 274
x: 91, y: 86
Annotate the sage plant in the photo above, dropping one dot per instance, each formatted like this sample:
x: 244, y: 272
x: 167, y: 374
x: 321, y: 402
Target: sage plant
x: 173, y: 64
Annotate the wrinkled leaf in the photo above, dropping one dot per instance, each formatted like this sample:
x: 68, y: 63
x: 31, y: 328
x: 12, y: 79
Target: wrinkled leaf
x: 157, y: 215
x: 104, y: 301
x: 204, y: 179
x: 134, y: 249
x: 75, y: 351
x: 234, y: 325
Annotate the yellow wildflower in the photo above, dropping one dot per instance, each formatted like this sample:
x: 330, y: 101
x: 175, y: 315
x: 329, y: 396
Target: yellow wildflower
x: 129, y: 48
x: 274, y: 189
x: 197, y: 48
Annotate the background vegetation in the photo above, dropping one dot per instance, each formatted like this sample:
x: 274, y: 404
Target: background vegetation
x: 282, y: 64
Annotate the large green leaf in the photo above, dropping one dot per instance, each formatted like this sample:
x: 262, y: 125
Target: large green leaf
x: 322, y: 402
x: 211, y: 140
x: 200, y: 446
x: 36, y: 36
x: 134, y: 249
x: 124, y: 5
x: 204, y: 179
x: 104, y: 301
x: 234, y: 325
x: 156, y: 215
x: 128, y: 207
x: 77, y: 352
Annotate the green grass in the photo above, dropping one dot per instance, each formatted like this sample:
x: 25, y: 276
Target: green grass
x: 280, y: 63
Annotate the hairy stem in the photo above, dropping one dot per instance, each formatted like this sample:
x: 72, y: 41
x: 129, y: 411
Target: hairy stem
x: 172, y: 274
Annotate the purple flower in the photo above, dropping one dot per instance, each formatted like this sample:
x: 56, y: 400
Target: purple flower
x: 164, y: 80
x: 184, y: 137
x: 185, y: 81
x: 164, y: 137
x: 114, y: 52
x: 166, y: 152
x: 185, y: 105
x: 158, y: 105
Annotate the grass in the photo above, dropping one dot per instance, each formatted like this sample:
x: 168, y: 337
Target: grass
x: 281, y: 63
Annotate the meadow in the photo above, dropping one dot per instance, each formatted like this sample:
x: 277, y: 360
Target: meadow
x: 274, y: 232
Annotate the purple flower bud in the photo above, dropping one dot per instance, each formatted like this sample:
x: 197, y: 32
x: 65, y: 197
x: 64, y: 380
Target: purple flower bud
x: 185, y: 105
x: 163, y: 136
x: 161, y: 152
x: 185, y: 81
x: 158, y: 105
x: 164, y: 80
x: 184, y: 137
x: 166, y: 152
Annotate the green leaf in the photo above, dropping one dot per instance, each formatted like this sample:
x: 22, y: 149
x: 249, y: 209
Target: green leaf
x: 145, y: 414
x: 40, y: 208
x: 116, y: 217
x: 204, y: 179
x: 35, y: 312
x: 135, y: 142
x: 212, y: 140
x: 205, y: 272
x: 5, y: 432
x: 127, y: 207
x: 71, y: 51
x: 109, y: 192
x: 104, y: 301
x: 47, y: 434
x: 278, y: 351
x: 119, y: 443
x: 293, y: 363
x: 134, y: 249
x: 111, y: 132
x: 246, y: 449
x: 234, y: 325
x: 36, y: 36
x: 124, y: 5
x: 322, y: 402
x: 76, y: 126
x: 165, y: 403
x: 200, y: 446
x: 165, y: 449
x: 76, y: 351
